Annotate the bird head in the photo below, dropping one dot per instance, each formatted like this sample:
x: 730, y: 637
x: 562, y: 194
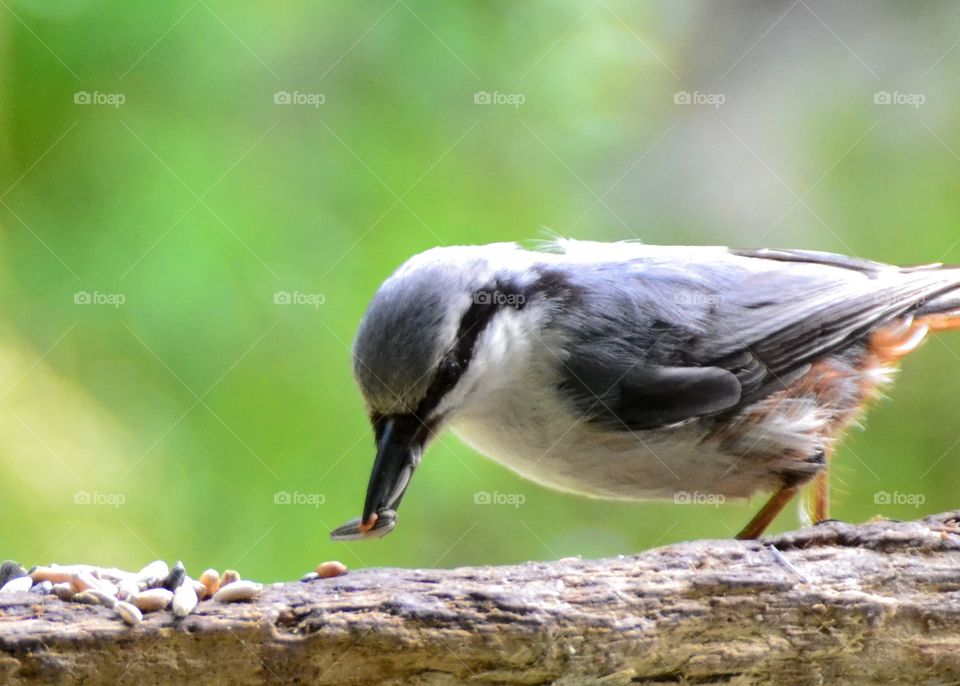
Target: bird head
x: 414, y: 356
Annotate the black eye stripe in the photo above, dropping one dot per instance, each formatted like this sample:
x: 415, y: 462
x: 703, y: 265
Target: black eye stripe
x: 486, y: 303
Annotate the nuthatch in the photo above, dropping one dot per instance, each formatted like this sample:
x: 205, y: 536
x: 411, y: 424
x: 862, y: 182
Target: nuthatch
x: 630, y: 371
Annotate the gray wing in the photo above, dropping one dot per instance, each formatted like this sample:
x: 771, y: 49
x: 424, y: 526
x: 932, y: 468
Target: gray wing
x: 656, y: 341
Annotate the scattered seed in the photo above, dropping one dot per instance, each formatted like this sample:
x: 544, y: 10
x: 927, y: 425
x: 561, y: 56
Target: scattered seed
x: 107, y: 587
x: 43, y: 588
x: 87, y: 597
x: 211, y: 582
x: 184, y: 600
x: 229, y: 577
x: 198, y: 587
x: 64, y: 591
x: 238, y: 591
x: 106, y: 599
x: 92, y: 596
x: 128, y: 588
x: 175, y: 577
x: 112, y: 574
x: 152, y: 600
x: 10, y: 570
x: 310, y: 576
x: 21, y: 584
x: 54, y: 575
x: 128, y: 613
x: 82, y: 581
x: 153, y: 574
x: 326, y: 570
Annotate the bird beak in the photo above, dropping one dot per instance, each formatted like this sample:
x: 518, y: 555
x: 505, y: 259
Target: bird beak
x: 400, y: 442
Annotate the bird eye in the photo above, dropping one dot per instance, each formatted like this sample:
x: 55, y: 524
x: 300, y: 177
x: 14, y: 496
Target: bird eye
x: 449, y: 371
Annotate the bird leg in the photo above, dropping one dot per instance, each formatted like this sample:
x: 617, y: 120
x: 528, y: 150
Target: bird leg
x: 820, y: 497
x: 768, y: 512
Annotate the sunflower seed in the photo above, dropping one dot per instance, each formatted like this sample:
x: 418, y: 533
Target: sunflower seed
x: 175, y: 577
x: 10, y: 570
x: 352, y: 531
x: 310, y: 576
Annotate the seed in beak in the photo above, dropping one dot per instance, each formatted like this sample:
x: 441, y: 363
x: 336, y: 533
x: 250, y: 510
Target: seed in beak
x: 377, y: 526
x: 366, y: 526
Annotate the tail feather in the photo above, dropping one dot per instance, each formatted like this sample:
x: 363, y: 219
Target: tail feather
x: 943, y: 321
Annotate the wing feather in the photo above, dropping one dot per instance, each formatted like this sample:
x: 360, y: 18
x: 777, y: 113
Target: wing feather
x: 670, y: 335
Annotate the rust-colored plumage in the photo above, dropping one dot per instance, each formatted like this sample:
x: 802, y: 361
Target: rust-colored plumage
x: 843, y: 386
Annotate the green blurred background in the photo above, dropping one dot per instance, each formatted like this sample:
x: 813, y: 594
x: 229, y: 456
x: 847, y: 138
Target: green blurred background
x: 195, y: 159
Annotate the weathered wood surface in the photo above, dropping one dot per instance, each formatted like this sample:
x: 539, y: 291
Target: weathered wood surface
x: 876, y: 603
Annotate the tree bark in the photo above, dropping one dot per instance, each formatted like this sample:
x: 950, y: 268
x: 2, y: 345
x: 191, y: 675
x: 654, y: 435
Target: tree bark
x: 836, y: 603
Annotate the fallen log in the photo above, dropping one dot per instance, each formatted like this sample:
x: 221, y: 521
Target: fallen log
x: 836, y: 603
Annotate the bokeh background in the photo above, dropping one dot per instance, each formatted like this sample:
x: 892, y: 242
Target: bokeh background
x: 197, y: 199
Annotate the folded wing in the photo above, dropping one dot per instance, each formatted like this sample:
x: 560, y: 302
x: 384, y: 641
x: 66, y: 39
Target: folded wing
x: 663, y: 339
